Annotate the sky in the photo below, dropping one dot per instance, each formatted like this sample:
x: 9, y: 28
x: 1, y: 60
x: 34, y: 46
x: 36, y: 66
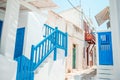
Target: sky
x: 90, y: 8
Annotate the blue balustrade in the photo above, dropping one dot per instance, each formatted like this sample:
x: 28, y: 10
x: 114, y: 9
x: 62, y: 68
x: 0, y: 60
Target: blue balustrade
x: 42, y: 50
x: 48, y: 30
x: 54, y: 39
x: 24, y: 71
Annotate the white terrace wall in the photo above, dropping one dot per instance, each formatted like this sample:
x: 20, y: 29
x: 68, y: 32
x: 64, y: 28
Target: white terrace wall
x: 34, y: 30
x: 115, y: 28
x: 76, y: 36
x: 33, y: 24
x: 53, y: 70
x: 73, y: 16
x: 56, y: 21
x: 8, y: 68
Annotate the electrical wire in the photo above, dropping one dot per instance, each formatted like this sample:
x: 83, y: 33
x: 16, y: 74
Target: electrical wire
x: 73, y: 6
x: 77, y: 9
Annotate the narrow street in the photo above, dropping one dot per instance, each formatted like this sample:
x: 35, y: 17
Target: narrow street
x: 59, y: 39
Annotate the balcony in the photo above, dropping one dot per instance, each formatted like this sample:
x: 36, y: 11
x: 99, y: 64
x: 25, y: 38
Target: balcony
x: 90, y: 38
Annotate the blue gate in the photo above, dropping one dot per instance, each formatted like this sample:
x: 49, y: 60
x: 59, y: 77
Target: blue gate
x: 105, y: 48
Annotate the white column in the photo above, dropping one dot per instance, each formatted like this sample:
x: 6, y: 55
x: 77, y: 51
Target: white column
x: 9, y: 28
x: 115, y: 27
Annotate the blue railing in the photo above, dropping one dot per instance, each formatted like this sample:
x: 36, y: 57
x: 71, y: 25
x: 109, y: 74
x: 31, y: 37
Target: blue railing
x: 62, y: 37
x: 56, y: 39
x: 53, y: 39
x: 24, y: 71
x: 42, y: 50
x: 48, y: 30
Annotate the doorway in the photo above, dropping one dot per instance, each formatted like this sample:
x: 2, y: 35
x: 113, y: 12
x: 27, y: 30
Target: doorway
x: 19, y: 42
x: 74, y: 57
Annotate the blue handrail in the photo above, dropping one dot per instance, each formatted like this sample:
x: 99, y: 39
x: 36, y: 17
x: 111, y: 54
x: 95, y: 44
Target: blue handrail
x: 42, y: 50
x: 48, y: 30
x: 24, y: 71
x: 56, y: 39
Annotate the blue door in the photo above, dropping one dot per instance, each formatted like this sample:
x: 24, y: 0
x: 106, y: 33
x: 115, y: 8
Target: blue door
x: 105, y: 48
x: 19, y: 42
x: 1, y: 23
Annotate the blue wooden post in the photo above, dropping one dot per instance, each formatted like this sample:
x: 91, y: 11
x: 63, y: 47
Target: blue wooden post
x: 66, y: 49
x: 32, y: 57
x: 55, y: 43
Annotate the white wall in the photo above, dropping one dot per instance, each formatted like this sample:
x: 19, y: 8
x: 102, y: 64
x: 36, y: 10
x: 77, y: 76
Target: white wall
x: 2, y: 15
x: 34, y: 30
x: 55, y: 20
x: 53, y: 70
x: 76, y: 36
x: 73, y: 16
x: 79, y: 53
x: 34, y: 35
x: 74, y: 31
x: 115, y: 28
x: 8, y: 68
x: 9, y: 28
x: 23, y: 19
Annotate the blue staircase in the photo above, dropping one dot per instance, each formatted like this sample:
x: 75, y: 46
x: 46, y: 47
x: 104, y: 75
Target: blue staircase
x: 53, y: 39
x: 24, y: 71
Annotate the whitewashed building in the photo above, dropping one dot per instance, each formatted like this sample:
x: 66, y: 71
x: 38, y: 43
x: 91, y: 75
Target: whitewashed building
x: 22, y: 48
x: 16, y: 53
x: 115, y: 28
x: 71, y: 21
x: 112, y: 14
